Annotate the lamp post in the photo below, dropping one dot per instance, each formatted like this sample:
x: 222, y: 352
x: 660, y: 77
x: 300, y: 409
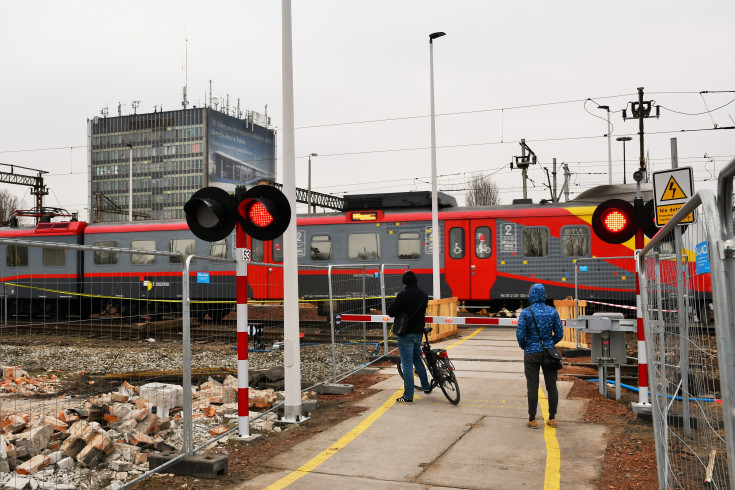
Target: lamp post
x: 130, y: 184
x: 434, y: 198
x: 623, y: 139
x: 609, y: 149
x: 308, y: 192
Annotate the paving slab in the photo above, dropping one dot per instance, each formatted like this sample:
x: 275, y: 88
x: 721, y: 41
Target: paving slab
x: 481, y: 443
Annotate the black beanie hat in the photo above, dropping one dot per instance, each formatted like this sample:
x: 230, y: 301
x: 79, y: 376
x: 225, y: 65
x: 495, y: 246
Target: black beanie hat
x: 409, y: 278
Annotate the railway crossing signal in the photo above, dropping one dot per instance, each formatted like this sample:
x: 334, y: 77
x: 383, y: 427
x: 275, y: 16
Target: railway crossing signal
x: 263, y: 212
x: 615, y: 221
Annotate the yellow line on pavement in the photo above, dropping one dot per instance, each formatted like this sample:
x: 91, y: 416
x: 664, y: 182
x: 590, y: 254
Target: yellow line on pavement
x: 552, y: 478
x: 466, y: 338
x: 334, y: 448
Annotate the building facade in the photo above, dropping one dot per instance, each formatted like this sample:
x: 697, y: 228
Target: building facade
x: 172, y: 154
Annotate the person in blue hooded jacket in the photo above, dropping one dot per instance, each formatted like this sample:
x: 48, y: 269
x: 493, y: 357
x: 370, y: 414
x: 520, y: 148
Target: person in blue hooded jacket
x: 551, y: 330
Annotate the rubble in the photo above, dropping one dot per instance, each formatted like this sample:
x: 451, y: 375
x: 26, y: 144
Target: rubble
x: 113, y: 433
x: 17, y: 381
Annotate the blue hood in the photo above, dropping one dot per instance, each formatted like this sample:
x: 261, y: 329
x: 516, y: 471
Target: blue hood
x: 537, y: 294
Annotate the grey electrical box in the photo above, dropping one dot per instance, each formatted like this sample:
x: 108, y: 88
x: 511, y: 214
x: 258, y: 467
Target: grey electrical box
x: 612, y: 347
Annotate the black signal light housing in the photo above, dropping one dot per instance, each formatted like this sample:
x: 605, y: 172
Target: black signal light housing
x: 615, y: 221
x: 211, y: 214
x: 263, y: 211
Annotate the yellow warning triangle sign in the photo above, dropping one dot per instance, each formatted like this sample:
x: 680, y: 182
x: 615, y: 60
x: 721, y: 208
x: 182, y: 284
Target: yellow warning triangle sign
x: 673, y: 191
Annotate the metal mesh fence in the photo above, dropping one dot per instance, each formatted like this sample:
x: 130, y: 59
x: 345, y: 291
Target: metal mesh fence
x: 605, y: 284
x: 93, y: 361
x: 685, y: 302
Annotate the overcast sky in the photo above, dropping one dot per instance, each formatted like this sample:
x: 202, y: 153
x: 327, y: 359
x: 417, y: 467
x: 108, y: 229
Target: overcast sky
x: 504, y: 71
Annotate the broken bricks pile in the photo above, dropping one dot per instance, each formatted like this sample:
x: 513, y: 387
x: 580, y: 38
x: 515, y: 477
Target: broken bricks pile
x: 17, y: 381
x: 113, y: 434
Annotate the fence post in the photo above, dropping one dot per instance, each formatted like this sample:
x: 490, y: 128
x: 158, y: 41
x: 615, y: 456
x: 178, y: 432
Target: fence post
x: 241, y: 291
x: 188, y: 446
x: 331, y: 321
x: 382, y: 309
x: 364, y: 311
x: 721, y: 254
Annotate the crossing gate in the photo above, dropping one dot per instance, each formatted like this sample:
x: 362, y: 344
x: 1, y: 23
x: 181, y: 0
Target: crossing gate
x: 688, y: 314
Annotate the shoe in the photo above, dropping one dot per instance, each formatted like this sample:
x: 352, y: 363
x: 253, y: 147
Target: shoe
x: 427, y: 392
x: 532, y: 424
x: 403, y: 399
x: 551, y: 423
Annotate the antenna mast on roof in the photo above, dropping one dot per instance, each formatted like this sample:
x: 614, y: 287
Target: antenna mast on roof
x: 135, y: 105
x: 185, y: 101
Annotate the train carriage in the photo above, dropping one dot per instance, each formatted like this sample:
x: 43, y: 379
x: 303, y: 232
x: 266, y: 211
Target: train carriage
x: 489, y: 256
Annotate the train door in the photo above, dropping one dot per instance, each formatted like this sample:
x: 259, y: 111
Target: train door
x: 275, y: 274
x: 457, y: 257
x: 481, y: 258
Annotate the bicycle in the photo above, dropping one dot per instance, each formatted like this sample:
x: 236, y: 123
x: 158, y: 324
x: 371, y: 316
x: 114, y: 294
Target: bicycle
x: 439, y: 368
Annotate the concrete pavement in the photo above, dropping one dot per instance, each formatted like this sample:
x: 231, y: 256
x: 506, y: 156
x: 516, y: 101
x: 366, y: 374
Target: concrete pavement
x: 482, y: 443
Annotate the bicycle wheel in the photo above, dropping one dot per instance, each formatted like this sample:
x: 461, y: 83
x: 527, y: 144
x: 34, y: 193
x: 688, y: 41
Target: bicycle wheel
x: 448, y: 382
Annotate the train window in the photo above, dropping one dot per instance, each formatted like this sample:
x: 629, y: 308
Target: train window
x: 218, y: 249
x: 363, y: 246
x: 183, y: 246
x: 456, y: 243
x: 54, y: 257
x: 483, y: 242
x: 16, y: 256
x: 103, y: 257
x: 409, y: 245
x: 258, y: 251
x: 575, y: 241
x: 139, y: 259
x: 321, y: 247
x: 535, y: 241
x: 278, y: 249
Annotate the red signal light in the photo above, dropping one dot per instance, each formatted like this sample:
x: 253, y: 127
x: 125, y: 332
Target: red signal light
x: 615, y: 221
x: 259, y: 215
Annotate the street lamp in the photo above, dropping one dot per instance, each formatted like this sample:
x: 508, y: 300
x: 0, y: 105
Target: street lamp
x: 308, y: 192
x: 130, y: 184
x: 434, y: 199
x: 609, y: 150
x: 624, y: 139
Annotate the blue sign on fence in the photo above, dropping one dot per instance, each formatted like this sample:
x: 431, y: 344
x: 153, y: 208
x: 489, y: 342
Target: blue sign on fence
x: 203, y: 277
x: 702, y: 258
x: 583, y: 268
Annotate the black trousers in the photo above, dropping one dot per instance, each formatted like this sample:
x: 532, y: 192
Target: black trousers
x: 531, y: 364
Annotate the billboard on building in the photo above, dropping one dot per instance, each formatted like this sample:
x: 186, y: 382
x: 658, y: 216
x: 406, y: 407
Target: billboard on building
x: 239, y: 152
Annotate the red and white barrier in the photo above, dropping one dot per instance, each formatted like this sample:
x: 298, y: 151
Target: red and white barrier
x: 456, y: 320
x: 241, y: 282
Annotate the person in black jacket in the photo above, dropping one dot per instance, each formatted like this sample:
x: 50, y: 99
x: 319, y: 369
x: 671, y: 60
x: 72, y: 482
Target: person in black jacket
x: 412, y: 301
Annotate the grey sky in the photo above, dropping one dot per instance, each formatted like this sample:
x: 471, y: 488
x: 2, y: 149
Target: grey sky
x: 358, y: 61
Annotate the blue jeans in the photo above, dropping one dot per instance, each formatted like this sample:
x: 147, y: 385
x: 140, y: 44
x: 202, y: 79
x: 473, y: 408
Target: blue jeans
x: 409, y: 346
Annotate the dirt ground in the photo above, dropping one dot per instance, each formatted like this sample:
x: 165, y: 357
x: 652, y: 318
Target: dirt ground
x: 629, y: 463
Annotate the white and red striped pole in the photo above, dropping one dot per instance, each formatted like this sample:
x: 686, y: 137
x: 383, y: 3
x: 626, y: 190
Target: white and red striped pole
x: 241, y: 290
x: 642, y: 358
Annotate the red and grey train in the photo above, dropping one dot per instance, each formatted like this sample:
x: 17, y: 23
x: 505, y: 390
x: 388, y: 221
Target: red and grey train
x: 489, y: 255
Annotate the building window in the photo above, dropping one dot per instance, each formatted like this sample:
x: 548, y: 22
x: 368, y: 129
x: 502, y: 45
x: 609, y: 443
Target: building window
x: 363, y: 246
x: 183, y: 246
x: 409, y: 245
x: 535, y: 241
x: 218, y: 249
x: 483, y: 242
x: 456, y: 243
x: 16, y: 256
x: 54, y: 257
x: 575, y: 241
x: 140, y: 259
x: 104, y: 257
x: 321, y: 247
